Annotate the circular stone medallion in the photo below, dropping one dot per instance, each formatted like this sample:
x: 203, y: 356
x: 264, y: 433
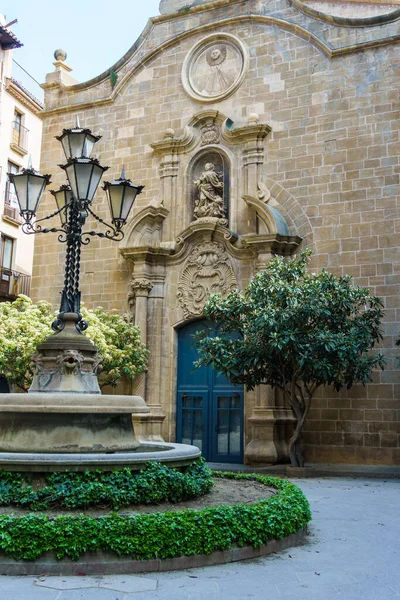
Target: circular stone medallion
x: 215, y: 67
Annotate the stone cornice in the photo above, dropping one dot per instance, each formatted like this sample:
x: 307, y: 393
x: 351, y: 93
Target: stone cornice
x: 248, y: 133
x: 280, y: 22
x: 16, y: 92
x: 272, y: 243
x: 350, y: 21
x: 173, y: 145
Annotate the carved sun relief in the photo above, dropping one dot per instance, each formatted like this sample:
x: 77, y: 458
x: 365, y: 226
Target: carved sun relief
x: 207, y: 272
x: 215, y: 67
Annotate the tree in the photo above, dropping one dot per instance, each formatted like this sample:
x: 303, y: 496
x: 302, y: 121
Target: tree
x: 299, y: 331
x: 24, y: 325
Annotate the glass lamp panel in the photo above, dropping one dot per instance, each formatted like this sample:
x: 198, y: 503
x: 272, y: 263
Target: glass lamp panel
x: 36, y: 185
x: 62, y: 197
x: 97, y: 173
x: 21, y: 188
x: 71, y: 175
x: 88, y: 146
x: 76, y: 144
x: 129, y: 199
x: 83, y: 174
x: 115, y: 196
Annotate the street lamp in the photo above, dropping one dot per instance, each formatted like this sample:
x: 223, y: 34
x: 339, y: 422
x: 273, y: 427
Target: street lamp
x: 73, y: 206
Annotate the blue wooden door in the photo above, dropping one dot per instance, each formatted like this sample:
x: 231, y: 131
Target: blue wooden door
x: 209, y: 408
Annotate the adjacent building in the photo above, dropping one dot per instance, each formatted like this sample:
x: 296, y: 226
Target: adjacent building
x: 20, y: 139
x: 258, y: 127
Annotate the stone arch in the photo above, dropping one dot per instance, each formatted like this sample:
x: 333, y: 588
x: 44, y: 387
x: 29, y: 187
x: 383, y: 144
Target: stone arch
x: 290, y: 208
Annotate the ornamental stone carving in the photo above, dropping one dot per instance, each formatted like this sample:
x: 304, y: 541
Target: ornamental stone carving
x: 139, y: 288
x: 208, y: 271
x: 215, y: 67
x: 210, y: 134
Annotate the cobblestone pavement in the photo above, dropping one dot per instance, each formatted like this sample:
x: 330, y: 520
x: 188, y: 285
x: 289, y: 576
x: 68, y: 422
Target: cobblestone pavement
x: 352, y: 553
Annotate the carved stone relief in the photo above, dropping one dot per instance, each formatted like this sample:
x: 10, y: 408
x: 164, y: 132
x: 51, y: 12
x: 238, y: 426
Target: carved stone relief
x: 210, y: 133
x: 139, y: 287
x: 215, y: 67
x: 208, y: 271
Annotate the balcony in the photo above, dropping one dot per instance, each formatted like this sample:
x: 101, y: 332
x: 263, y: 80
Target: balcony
x: 13, y: 283
x: 11, y: 214
x: 19, y: 138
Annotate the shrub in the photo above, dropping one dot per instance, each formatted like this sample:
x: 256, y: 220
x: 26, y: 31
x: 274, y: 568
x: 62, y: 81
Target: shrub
x: 154, y: 484
x: 161, y: 535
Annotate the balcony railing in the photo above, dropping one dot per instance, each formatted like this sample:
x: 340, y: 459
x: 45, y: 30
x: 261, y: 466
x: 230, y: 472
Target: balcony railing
x: 9, y: 211
x: 13, y: 283
x: 19, y: 136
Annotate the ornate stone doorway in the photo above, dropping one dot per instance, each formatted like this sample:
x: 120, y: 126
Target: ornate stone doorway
x: 210, y: 410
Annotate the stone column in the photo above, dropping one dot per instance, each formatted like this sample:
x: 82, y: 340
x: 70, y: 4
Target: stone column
x: 155, y: 384
x: 138, y: 298
x: 271, y: 421
x: 147, y: 425
x: 253, y: 160
x: 169, y: 168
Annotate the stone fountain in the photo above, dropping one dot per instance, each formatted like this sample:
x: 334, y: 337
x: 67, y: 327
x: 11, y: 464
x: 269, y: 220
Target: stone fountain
x: 64, y: 422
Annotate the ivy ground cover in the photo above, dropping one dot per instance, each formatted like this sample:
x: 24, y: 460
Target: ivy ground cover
x: 161, y: 534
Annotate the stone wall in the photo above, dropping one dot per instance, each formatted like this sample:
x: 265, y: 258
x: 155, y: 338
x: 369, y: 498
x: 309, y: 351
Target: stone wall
x: 324, y: 101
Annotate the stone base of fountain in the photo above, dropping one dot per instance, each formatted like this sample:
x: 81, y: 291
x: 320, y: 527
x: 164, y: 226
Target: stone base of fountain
x: 71, y: 423
x: 64, y: 422
x: 55, y: 432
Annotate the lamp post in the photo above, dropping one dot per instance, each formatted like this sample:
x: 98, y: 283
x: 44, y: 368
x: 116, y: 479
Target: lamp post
x: 74, y: 205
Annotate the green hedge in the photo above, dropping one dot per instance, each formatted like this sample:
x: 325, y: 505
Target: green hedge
x: 161, y: 535
x: 154, y: 484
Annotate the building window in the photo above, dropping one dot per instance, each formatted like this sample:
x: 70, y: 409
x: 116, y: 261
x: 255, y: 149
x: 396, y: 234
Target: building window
x: 6, y: 259
x: 11, y: 207
x: 19, y: 136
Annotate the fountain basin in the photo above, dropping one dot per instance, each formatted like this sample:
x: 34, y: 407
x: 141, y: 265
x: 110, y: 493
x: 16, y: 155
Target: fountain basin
x: 171, y: 454
x: 68, y: 423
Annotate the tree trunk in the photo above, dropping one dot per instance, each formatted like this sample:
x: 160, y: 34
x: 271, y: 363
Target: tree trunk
x: 296, y: 455
x: 301, y: 412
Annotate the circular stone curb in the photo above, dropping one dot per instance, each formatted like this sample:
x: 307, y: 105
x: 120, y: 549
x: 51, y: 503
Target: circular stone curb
x: 106, y: 563
x: 168, y: 453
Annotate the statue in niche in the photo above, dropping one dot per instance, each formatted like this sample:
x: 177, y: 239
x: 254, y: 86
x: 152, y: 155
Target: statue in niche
x: 210, y: 194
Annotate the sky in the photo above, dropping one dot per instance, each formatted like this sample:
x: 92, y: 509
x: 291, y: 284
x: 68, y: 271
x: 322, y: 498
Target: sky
x: 94, y: 33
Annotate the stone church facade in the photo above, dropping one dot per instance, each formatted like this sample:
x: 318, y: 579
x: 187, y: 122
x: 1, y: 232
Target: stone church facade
x: 258, y: 127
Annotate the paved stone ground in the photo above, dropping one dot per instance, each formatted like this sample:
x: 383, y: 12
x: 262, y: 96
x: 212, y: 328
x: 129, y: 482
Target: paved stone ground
x: 353, y: 553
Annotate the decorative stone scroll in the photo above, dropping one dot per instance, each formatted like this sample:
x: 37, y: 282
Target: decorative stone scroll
x: 207, y: 271
x: 215, y: 67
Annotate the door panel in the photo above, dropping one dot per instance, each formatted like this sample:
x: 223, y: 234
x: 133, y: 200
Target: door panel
x: 228, y: 427
x: 190, y: 428
x: 209, y: 408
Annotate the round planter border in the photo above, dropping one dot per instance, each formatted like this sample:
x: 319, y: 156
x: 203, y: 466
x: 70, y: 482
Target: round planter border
x: 106, y: 563
x: 238, y: 532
